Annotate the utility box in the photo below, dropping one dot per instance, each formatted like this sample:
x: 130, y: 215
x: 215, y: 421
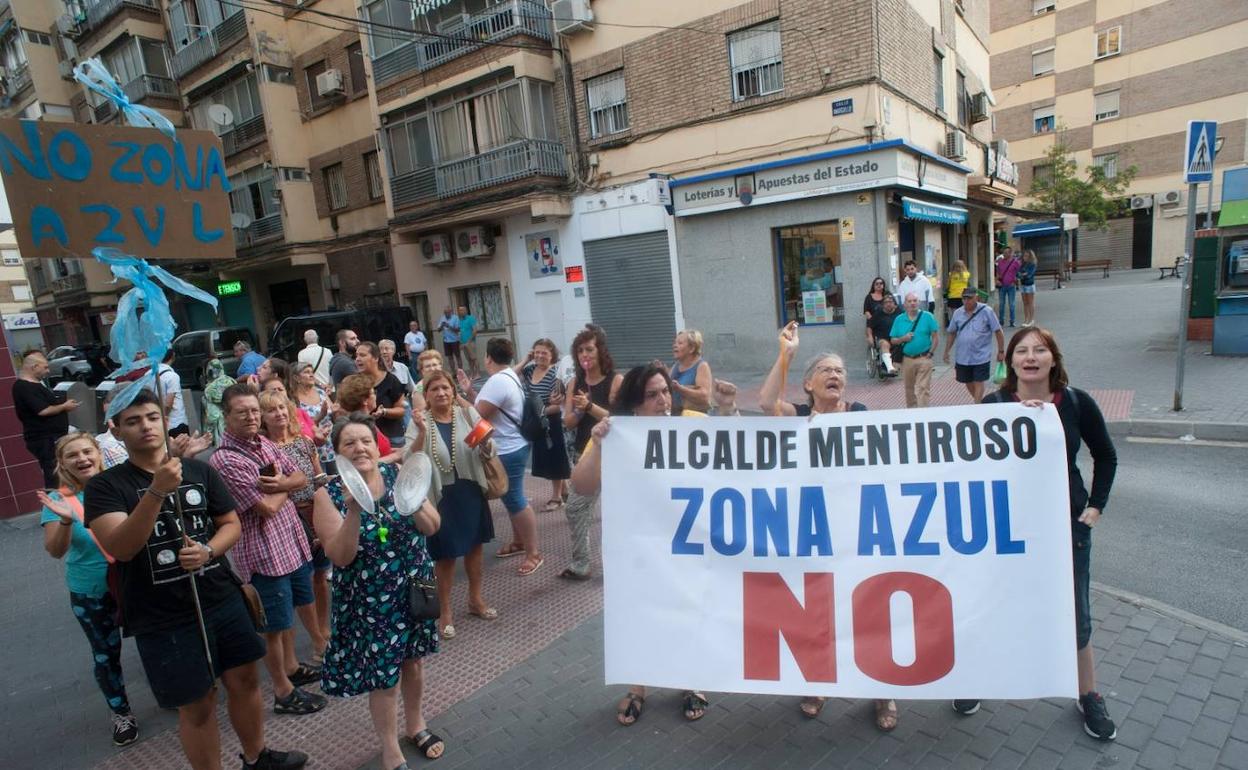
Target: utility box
x: 1204, y: 267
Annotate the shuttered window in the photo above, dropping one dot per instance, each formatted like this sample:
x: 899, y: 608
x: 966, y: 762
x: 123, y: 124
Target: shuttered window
x: 1044, y: 120
x: 1105, y: 105
x: 1042, y: 62
x: 335, y: 187
x: 757, y: 64
x: 608, y: 104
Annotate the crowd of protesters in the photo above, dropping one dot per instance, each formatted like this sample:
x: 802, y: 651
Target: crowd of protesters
x: 144, y: 526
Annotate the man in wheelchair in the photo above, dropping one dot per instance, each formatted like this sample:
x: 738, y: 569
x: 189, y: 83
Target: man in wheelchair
x: 878, y: 327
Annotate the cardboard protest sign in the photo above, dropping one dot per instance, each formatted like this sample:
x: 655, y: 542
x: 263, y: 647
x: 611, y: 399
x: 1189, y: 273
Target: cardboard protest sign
x: 74, y: 186
x: 910, y: 554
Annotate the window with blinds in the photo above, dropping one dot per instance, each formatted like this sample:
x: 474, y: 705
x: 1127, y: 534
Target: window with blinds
x: 1044, y: 120
x: 608, y: 104
x: 1042, y: 62
x: 1105, y: 106
x: 755, y: 58
x: 335, y: 186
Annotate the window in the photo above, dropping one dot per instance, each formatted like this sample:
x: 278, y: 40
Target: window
x: 410, y: 145
x: 1109, y: 42
x: 1042, y: 6
x: 810, y: 273
x: 1107, y: 163
x: 383, y: 17
x: 1041, y: 62
x: 1044, y: 120
x: 294, y: 174
x: 963, y: 104
x: 241, y: 96
x: 381, y: 260
x: 254, y: 193
x: 21, y: 292
x: 755, y: 58
x: 486, y: 303
x: 12, y: 258
x: 608, y: 104
x: 38, y: 38
x: 1042, y: 174
x: 335, y: 186
x: 12, y: 55
x: 355, y: 65
x: 1105, y: 106
x: 372, y: 171
x: 310, y: 74
x: 136, y: 57
x: 276, y: 74
x: 480, y: 123
x: 938, y: 60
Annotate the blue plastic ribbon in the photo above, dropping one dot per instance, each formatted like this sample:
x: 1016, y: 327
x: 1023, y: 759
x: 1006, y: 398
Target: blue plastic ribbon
x: 94, y: 76
x: 144, y: 328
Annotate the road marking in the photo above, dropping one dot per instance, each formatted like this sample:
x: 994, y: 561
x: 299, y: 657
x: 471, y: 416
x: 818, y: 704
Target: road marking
x: 1191, y: 442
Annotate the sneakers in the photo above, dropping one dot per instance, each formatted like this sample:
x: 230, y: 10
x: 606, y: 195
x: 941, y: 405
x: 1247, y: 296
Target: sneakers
x: 966, y: 707
x: 125, y: 729
x: 1096, y: 721
x: 299, y: 702
x: 276, y: 760
x: 305, y: 674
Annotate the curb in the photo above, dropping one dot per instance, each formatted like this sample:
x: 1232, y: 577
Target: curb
x: 1229, y: 633
x: 1205, y: 431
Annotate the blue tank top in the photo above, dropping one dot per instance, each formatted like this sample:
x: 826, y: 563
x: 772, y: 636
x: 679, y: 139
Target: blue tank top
x: 688, y: 378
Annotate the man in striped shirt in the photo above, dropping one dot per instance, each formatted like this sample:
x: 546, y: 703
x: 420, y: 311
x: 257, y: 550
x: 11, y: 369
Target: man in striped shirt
x: 273, y: 552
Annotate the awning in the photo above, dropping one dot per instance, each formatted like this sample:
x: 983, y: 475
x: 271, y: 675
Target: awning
x: 1001, y: 208
x: 1233, y: 214
x: 912, y: 208
x: 1033, y: 229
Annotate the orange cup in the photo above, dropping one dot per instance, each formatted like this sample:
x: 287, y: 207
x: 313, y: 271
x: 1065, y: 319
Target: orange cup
x: 480, y: 432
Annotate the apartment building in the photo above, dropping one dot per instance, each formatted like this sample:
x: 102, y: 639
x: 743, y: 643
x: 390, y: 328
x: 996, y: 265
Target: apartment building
x: 1120, y: 79
x: 808, y: 146
x: 21, y: 324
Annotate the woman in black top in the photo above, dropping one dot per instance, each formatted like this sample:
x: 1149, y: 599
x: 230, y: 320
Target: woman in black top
x: 875, y: 297
x: 1036, y: 377
x: 550, y: 456
x: 391, y: 395
x: 593, y: 387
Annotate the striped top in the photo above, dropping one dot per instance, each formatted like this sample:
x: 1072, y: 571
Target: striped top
x: 543, y: 388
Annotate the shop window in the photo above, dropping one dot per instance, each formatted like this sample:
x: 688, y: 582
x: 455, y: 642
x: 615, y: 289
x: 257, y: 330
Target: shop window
x: 335, y: 186
x: 1044, y: 120
x: 756, y: 60
x: 608, y: 104
x: 1107, y: 163
x: 486, y: 303
x: 1109, y: 42
x: 1042, y: 62
x: 1105, y: 106
x: 811, y: 280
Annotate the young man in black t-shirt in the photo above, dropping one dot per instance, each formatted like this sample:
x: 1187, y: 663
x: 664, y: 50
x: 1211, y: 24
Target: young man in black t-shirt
x: 130, y: 509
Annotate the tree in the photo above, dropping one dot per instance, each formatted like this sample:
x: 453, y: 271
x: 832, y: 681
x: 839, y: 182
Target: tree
x: 1095, y: 198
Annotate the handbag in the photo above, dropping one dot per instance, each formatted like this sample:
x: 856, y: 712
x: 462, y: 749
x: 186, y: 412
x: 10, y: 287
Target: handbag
x: 422, y: 599
x: 251, y: 598
x: 495, y: 477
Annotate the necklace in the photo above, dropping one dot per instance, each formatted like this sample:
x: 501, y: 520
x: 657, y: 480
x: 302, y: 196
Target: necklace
x: 433, y: 444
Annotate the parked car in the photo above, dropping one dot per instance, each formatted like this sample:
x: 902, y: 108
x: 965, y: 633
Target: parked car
x: 193, y: 349
x: 81, y: 363
x: 373, y: 324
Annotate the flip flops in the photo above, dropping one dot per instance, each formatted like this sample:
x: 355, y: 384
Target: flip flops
x: 511, y: 549
x: 526, y: 570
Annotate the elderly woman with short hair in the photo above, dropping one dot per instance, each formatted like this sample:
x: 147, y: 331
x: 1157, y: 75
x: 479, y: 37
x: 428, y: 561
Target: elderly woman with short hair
x: 691, y: 374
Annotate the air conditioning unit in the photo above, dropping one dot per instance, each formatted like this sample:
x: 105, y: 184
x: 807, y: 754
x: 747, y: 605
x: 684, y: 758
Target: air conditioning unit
x: 980, y: 108
x: 329, y: 83
x: 66, y: 25
x: 1001, y: 148
x: 572, y: 16
x: 474, y: 243
x: 955, y: 145
x: 1141, y: 201
x: 435, y: 249
x: 1172, y: 198
x: 66, y: 69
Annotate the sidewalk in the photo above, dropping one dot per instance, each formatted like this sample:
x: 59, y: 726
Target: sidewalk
x: 527, y: 691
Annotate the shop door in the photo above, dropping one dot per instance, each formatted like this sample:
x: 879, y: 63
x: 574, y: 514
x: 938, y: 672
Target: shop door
x: 629, y: 281
x: 289, y: 298
x: 1142, y: 238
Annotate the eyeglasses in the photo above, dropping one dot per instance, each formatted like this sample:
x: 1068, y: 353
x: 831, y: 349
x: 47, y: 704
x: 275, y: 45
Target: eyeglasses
x: 824, y: 371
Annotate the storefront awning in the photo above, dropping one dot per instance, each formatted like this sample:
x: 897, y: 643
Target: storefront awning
x: 1032, y: 229
x: 1233, y: 214
x: 912, y: 208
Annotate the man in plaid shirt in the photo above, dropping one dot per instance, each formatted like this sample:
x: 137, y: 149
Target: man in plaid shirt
x: 273, y: 552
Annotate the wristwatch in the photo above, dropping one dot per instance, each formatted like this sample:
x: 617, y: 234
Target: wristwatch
x: 211, y: 553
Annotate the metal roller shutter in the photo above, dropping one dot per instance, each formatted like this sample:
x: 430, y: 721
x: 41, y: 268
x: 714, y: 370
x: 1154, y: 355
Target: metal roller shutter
x: 630, y: 296
x: 1048, y: 250
x: 1113, y: 243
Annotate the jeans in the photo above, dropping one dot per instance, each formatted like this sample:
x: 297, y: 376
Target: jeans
x: 1006, y: 294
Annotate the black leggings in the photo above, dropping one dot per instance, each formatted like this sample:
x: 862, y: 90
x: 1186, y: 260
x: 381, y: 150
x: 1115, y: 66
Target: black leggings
x: 97, y: 616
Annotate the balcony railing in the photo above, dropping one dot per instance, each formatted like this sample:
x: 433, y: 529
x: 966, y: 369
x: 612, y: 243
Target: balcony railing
x: 528, y: 157
x: 102, y: 10
x: 260, y: 230
x: 243, y: 135
x: 209, y: 45
x: 16, y: 80
x: 69, y: 283
x: 137, y: 90
x: 516, y: 17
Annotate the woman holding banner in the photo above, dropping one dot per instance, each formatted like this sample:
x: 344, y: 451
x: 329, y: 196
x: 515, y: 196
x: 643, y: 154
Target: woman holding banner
x: 1037, y: 378
x: 646, y: 391
x: 824, y: 382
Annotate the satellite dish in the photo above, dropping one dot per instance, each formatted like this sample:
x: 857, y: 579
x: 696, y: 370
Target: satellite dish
x: 240, y: 220
x: 220, y: 115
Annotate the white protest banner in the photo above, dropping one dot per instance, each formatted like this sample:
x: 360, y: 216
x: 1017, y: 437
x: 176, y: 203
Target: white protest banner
x: 905, y: 554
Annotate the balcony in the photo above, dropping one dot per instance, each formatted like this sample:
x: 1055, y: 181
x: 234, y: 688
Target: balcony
x: 137, y: 91
x: 528, y: 157
x: 16, y: 81
x: 96, y: 13
x: 243, y: 135
x: 69, y: 284
x: 206, y: 47
x: 260, y: 230
x: 517, y: 17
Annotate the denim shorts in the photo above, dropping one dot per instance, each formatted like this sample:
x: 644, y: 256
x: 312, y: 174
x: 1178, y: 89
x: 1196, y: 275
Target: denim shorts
x: 173, y: 659
x: 1081, y: 539
x: 1028, y: 289
x: 280, y: 595
x: 515, y: 464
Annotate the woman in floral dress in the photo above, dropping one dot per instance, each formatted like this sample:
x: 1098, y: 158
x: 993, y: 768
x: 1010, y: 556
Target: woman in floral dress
x: 375, y: 646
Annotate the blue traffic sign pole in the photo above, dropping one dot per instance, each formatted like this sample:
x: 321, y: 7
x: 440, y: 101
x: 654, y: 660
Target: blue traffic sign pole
x: 1198, y: 158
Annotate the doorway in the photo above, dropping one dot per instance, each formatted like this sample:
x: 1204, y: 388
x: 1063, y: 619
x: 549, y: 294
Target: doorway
x: 1142, y: 238
x: 289, y: 298
x: 549, y: 315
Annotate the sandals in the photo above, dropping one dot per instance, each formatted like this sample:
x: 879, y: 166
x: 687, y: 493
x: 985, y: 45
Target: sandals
x: 448, y: 631
x: 299, y: 703
x: 429, y: 744
x: 886, y: 715
x: 511, y: 549
x: 530, y: 566
x: 552, y: 505
x: 695, y: 705
x: 570, y: 574
x: 812, y: 707
x: 629, y: 710
x: 304, y: 674
x: 489, y: 613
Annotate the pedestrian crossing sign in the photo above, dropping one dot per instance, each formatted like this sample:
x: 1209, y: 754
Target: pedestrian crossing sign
x: 1202, y: 136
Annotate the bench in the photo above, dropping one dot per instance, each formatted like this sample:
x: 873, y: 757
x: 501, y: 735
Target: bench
x: 1103, y: 264
x: 1053, y: 273
x: 1173, y: 270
